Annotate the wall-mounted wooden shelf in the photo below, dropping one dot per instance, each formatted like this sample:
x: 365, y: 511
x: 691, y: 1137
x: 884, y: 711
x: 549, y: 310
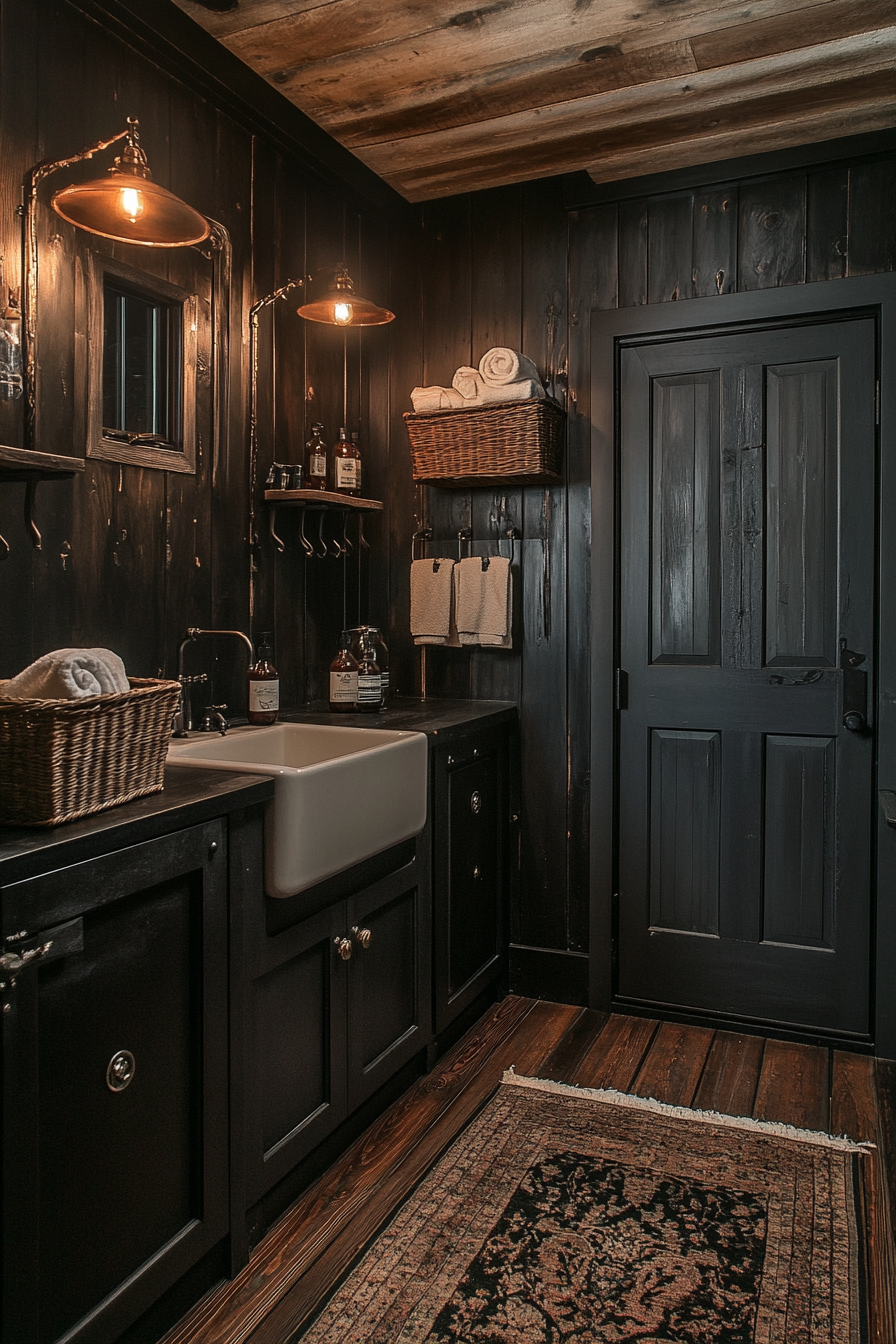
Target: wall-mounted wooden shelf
x: 323, y: 499
x: 21, y: 464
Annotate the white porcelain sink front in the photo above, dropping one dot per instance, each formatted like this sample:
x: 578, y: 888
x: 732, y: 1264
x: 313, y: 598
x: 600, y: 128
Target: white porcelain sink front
x: 340, y: 794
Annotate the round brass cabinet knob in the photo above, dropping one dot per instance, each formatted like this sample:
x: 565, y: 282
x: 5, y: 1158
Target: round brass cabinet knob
x: 361, y: 936
x: 120, y: 1071
x: 476, y: 802
x: 344, y: 948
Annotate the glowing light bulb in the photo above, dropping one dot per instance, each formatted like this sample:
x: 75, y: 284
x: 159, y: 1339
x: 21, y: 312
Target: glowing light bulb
x: 342, y: 314
x: 130, y: 204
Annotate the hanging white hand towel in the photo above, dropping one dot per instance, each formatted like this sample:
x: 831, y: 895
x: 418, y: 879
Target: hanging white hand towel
x: 501, y: 365
x: 483, y: 602
x: 497, y: 605
x: 432, y: 597
x: 69, y: 674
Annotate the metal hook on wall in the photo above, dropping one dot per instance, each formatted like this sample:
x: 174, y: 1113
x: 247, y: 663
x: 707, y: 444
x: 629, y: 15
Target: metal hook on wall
x: 306, y: 544
x: 463, y: 535
x: 511, y: 534
x: 272, y: 528
x: 325, y: 549
x: 423, y: 534
x: 4, y: 553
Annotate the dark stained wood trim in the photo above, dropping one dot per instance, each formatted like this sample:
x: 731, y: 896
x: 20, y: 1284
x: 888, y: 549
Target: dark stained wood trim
x: 579, y: 191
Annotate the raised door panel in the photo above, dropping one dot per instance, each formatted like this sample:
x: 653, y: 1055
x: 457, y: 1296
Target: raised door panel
x: 389, y: 1013
x: 120, y: 1119
x: 296, y: 1091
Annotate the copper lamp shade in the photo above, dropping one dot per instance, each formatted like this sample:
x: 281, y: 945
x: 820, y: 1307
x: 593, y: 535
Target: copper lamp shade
x: 127, y: 206
x: 342, y: 307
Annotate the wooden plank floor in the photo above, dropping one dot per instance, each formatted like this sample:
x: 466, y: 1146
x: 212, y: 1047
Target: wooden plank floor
x: 306, y: 1253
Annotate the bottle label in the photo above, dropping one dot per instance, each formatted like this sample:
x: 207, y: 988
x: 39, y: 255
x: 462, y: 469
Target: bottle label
x: 317, y: 464
x: 358, y: 474
x: 346, y: 473
x: 264, y: 696
x: 343, y: 688
x: 369, y: 688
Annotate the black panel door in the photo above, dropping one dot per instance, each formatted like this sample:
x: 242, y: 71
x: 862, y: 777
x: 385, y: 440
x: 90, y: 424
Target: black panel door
x: 746, y: 628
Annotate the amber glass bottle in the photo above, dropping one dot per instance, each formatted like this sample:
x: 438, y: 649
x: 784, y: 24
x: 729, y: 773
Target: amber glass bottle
x: 356, y: 444
x: 346, y: 464
x: 316, y: 474
x: 344, y: 678
x: 264, y: 686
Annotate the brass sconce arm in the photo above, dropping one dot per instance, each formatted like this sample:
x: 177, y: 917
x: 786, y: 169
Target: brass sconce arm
x: 33, y: 179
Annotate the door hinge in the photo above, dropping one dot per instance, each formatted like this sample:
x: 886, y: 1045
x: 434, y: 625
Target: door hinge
x: 620, y: 689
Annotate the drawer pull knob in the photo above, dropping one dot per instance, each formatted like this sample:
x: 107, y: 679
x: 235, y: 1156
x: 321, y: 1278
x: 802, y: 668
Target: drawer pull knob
x: 476, y: 802
x: 361, y: 936
x: 344, y: 948
x: 476, y: 873
x: 121, y: 1070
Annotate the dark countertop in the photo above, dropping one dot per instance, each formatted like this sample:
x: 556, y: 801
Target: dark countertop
x: 441, y: 719
x: 188, y: 798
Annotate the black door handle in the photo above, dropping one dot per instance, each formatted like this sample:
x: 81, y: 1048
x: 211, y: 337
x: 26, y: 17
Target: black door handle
x: 855, y: 689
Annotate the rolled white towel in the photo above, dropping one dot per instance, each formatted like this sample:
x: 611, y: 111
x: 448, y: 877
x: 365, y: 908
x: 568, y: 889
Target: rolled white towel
x: 501, y: 365
x: 69, y: 674
x: 530, y: 389
x: 468, y: 382
x: 436, y: 398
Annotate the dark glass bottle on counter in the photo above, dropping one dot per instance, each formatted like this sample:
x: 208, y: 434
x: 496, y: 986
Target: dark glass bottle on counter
x: 316, y: 473
x: 382, y: 655
x: 346, y: 466
x: 370, y: 687
x: 344, y: 678
x: 263, y: 686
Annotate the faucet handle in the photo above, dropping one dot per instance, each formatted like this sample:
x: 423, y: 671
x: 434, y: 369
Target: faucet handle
x: 213, y: 718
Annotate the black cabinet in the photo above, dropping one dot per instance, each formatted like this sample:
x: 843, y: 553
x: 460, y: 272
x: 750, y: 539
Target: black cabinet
x: 335, y: 1004
x: 115, y: 1083
x: 470, y: 808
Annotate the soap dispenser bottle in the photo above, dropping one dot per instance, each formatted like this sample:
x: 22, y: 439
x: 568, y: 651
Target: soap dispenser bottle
x: 263, y: 686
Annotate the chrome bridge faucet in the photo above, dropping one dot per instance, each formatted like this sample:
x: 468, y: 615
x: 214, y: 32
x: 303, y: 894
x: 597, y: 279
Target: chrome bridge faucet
x: 213, y: 718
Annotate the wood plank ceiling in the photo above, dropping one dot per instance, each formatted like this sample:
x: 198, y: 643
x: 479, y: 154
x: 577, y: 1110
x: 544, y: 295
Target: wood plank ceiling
x: 439, y: 98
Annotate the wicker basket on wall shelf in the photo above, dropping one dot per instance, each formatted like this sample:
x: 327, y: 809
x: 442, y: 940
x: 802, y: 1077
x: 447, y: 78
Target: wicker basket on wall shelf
x: 64, y: 759
x: 506, y: 442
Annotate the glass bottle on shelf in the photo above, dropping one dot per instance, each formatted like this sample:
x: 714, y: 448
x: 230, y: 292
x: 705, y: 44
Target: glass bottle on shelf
x: 344, y: 678
x: 316, y: 460
x: 370, y: 688
x: 346, y: 476
x: 263, y: 686
x: 356, y: 444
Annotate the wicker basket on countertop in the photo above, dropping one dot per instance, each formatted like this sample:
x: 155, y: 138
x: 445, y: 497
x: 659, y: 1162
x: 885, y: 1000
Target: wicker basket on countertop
x: 64, y: 759
x: 503, y: 443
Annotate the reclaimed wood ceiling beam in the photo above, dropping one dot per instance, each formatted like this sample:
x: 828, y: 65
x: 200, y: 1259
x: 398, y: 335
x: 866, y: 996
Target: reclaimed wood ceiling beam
x: 443, y: 96
x: 854, y: 75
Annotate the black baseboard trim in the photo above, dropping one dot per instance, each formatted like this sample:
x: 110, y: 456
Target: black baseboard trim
x: 549, y: 973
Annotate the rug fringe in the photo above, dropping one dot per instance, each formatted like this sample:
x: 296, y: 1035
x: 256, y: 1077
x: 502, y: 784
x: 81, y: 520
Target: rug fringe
x: 613, y: 1098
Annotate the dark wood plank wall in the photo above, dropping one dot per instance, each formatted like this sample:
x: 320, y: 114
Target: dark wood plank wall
x: 509, y: 266
x: 131, y: 556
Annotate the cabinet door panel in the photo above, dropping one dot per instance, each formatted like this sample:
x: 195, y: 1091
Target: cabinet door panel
x: 389, y: 1017
x: 296, y: 1054
x: 128, y: 1168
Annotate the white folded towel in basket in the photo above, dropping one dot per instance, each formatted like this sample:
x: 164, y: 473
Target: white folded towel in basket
x: 69, y: 674
x: 501, y: 365
x: 436, y: 398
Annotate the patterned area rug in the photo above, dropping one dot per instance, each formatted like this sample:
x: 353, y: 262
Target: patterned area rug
x: 568, y: 1216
